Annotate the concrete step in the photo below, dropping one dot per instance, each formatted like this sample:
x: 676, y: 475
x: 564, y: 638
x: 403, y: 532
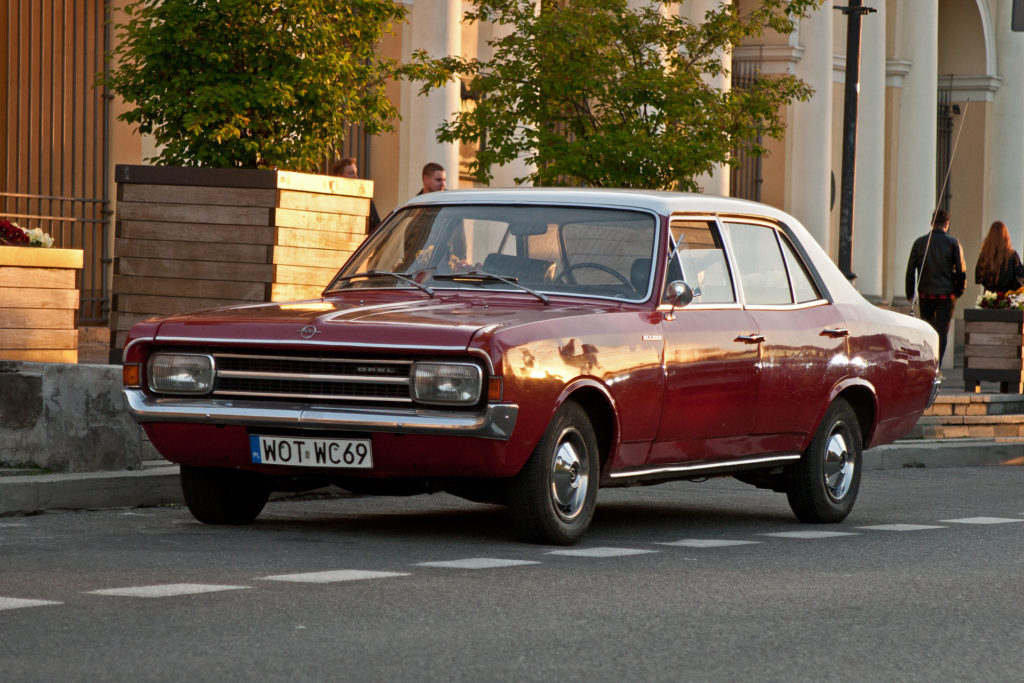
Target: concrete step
x: 977, y: 404
x: 972, y: 416
x: 968, y: 427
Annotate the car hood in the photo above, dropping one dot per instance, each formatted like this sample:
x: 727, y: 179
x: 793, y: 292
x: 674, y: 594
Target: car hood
x: 442, y: 321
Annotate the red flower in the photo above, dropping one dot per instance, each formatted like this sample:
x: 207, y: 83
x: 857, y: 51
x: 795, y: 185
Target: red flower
x: 12, y: 234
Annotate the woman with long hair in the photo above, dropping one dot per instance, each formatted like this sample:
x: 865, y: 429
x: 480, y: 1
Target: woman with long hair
x: 999, y: 268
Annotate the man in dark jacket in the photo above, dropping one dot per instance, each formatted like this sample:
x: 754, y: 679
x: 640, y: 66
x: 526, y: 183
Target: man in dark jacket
x: 937, y: 266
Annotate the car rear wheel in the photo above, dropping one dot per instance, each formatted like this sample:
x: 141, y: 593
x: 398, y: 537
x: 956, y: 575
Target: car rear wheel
x: 823, y: 485
x: 218, y: 496
x: 554, y: 496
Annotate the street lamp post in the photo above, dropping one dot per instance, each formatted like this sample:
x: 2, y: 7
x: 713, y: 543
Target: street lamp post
x: 853, y: 14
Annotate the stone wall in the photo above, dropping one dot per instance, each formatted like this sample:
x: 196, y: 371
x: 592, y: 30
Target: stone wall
x: 67, y: 418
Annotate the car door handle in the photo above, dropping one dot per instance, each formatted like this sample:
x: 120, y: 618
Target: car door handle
x: 835, y: 332
x: 750, y: 338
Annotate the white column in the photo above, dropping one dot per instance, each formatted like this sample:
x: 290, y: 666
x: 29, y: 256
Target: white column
x: 809, y: 135
x: 434, y: 26
x: 716, y: 182
x: 1006, y: 170
x: 869, y: 198
x: 913, y: 190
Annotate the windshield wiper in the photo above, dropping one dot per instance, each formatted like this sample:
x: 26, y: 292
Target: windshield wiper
x: 404, y: 277
x: 481, y: 276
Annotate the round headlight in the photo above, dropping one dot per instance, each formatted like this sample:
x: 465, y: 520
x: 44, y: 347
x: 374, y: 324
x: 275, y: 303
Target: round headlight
x: 446, y: 383
x: 180, y: 373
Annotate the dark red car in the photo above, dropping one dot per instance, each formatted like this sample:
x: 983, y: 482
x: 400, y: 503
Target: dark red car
x: 529, y: 346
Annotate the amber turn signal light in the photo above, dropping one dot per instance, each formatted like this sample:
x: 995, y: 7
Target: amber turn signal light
x: 494, y: 389
x: 131, y: 375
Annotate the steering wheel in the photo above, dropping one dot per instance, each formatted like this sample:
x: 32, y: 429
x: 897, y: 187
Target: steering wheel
x: 596, y: 266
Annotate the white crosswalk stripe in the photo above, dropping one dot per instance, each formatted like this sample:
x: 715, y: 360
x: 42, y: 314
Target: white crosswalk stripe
x: 165, y: 590
x: 333, y: 576
x: 476, y: 563
x: 707, y: 543
x: 982, y: 520
x: 18, y: 603
x: 600, y: 552
x: 902, y: 527
x: 810, y: 534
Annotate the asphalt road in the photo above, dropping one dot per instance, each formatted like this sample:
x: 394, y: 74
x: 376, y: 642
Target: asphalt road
x: 681, y: 582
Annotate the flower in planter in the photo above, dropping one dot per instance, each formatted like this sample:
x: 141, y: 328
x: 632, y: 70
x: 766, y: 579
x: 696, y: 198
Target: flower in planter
x: 12, y: 234
x: 1013, y: 299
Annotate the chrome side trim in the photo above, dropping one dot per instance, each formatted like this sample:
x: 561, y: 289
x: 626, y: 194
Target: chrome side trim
x: 495, y: 422
x: 700, y: 467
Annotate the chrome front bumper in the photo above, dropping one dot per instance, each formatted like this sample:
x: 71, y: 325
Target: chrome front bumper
x: 495, y: 422
x: 936, y: 385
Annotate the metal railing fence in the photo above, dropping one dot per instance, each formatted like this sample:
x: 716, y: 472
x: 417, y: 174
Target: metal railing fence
x: 54, y: 128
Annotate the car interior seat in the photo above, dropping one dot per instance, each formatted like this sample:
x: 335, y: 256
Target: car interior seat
x: 520, y: 267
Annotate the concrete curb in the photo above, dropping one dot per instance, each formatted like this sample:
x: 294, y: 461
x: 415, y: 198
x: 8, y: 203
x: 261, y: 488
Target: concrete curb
x: 158, y: 485
x: 945, y: 453
x: 90, y: 490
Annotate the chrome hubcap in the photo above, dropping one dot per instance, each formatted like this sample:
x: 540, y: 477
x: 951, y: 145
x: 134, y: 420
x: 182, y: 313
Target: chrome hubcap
x: 569, y: 475
x: 839, y: 466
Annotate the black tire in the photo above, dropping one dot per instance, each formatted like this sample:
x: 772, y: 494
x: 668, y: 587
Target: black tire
x: 823, y: 485
x: 217, y: 496
x: 553, y: 497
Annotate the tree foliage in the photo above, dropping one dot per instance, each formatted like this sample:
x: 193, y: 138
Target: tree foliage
x: 254, y: 83
x: 596, y: 93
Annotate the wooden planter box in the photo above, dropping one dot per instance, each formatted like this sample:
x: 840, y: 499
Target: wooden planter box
x: 39, y: 304
x: 193, y: 238
x: 994, y: 349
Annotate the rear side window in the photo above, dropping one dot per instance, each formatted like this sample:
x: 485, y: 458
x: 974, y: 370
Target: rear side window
x: 699, y: 260
x: 803, y: 286
x: 760, y: 264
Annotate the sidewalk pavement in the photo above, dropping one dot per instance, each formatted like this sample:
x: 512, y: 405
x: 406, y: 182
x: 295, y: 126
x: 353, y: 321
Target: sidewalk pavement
x: 156, y: 484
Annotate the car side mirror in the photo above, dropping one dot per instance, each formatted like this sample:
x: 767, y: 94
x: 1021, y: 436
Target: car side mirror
x: 679, y: 295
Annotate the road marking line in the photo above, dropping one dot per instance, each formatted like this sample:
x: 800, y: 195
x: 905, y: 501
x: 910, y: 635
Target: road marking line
x: 476, y: 563
x: 810, y: 534
x: 601, y: 552
x: 981, y: 520
x: 902, y: 527
x: 18, y: 603
x: 707, y: 543
x: 165, y: 590
x: 333, y: 576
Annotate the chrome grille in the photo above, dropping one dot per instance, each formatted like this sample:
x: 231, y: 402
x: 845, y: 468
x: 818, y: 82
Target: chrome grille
x: 295, y: 377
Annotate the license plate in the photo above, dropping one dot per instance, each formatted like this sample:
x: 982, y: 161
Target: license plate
x: 298, y: 451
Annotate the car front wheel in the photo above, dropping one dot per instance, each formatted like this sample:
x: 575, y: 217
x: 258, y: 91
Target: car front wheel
x: 554, y: 496
x: 823, y: 485
x: 218, y: 496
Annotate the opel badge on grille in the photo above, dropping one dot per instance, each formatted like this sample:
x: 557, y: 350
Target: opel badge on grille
x: 308, y: 331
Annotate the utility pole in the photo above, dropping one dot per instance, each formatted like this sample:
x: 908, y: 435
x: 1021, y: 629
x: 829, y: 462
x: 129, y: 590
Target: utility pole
x: 853, y: 14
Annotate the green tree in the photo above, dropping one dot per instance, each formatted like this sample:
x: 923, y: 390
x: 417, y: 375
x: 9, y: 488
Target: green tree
x: 593, y: 92
x: 254, y: 83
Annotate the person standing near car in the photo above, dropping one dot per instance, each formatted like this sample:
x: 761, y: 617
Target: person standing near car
x: 999, y: 268
x: 434, y: 178
x: 936, y: 269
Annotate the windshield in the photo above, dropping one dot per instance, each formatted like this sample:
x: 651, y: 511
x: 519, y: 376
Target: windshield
x: 544, y: 249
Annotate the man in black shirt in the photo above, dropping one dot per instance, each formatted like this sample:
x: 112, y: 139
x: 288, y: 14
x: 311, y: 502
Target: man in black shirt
x: 937, y: 268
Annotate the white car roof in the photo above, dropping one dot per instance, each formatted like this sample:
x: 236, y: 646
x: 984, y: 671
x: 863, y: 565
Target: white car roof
x: 656, y: 200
